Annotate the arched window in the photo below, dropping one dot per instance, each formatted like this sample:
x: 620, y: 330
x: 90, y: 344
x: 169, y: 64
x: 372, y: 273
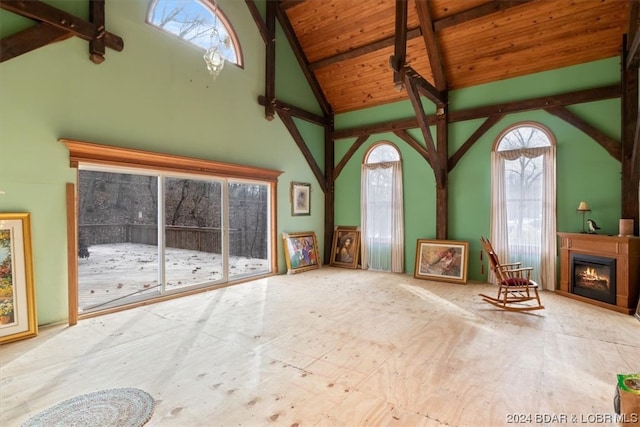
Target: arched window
x: 200, y: 22
x: 523, y: 206
x: 381, y: 209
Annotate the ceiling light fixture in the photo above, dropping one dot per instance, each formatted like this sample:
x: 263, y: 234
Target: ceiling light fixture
x: 213, y: 55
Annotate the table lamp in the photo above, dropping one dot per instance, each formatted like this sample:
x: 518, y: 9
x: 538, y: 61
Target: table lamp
x: 584, y: 208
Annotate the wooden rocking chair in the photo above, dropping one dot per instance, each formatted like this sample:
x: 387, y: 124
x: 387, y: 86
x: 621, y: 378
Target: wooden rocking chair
x: 514, y: 283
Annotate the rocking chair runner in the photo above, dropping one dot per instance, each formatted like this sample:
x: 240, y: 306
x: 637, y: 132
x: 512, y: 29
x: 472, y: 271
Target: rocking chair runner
x: 514, y: 283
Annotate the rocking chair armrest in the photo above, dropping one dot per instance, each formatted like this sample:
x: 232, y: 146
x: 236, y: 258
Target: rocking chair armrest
x: 507, y: 264
x: 520, y: 269
x: 520, y: 273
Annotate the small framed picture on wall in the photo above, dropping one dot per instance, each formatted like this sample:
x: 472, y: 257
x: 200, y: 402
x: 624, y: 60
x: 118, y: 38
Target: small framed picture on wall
x: 300, y: 198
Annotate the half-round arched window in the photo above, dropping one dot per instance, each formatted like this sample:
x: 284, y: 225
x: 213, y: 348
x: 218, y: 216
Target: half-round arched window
x: 199, y: 22
x: 381, y: 153
x: 524, y: 136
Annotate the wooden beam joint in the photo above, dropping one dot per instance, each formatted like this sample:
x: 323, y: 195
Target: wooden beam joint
x: 92, y: 31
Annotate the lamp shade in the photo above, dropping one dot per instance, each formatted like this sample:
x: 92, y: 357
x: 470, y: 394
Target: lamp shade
x: 583, y: 207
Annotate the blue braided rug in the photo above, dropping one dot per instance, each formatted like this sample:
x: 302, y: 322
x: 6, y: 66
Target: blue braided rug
x: 122, y: 407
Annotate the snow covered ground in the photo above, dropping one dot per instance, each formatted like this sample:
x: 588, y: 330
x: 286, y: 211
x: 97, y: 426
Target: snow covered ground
x: 128, y: 270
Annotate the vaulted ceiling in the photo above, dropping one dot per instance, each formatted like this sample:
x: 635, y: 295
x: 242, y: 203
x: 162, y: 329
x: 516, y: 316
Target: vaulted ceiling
x: 363, y: 53
x: 346, y: 45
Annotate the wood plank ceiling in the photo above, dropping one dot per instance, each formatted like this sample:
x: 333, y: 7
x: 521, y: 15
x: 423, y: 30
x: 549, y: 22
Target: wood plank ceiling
x: 347, y: 44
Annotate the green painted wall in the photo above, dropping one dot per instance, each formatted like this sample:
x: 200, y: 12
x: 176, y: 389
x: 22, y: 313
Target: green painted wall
x: 585, y: 171
x: 156, y: 95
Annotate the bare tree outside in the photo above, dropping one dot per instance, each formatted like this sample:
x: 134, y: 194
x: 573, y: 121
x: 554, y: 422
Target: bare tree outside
x: 118, y: 233
x: 524, y: 178
x: 196, y: 22
x: 523, y: 149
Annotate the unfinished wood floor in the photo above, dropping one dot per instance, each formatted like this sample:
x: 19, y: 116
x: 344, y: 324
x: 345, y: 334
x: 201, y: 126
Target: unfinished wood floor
x: 334, y: 347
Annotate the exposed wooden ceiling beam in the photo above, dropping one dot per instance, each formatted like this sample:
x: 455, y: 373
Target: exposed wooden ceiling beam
x: 295, y: 111
x: 633, y: 56
x: 412, y: 142
x: 97, y: 43
x: 630, y: 172
x: 352, y: 150
x: 634, y: 34
x: 270, y: 61
x: 362, y: 50
x: 425, y: 88
x: 431, y: 44
x: 257, y: 18
x: 286, y: 4
x: 30, y: 39
x: 42, y: 12
x: 612, y: 146
x: 484, y: 127
x: 411, y: 85
x: 477, y: 12
x: 306, y: 152
x: 578, y: 97
x: 635, y: 156
x: 303, y: 61
x: 399, y: 57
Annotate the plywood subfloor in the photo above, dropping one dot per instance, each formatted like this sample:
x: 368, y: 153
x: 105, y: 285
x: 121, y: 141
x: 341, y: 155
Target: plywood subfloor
x: 334, y: 347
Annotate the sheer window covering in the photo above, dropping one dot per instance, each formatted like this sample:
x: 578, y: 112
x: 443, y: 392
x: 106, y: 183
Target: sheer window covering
x: 540, y: 254
x: 382, y: 215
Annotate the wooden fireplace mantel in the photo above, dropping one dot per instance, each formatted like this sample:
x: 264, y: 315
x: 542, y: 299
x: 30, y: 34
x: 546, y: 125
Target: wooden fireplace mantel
x: 625, y: 250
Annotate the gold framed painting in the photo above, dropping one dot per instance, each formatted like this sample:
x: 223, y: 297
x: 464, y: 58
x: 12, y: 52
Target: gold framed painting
x: 17, y: 295
x: 301, y: 251
x: 442, y: 260
x: 346, y: 247
x: 300, y: 198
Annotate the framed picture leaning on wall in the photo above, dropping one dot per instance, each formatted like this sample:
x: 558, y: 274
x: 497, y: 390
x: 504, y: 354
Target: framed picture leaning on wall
x: 17, y: 295
x: 442, y: 260
x: 346, y: 247
x: 301, y: 251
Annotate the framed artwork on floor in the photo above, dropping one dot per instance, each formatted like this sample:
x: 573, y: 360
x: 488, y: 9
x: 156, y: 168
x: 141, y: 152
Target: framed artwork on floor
x: 300, y: 198
x: 346, y: 247
x: 17, y: 295
x: 301, y: 251
x: 442, y: 260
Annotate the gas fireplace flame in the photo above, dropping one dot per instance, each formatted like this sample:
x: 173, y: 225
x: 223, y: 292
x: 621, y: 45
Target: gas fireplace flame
x: 591, y: 274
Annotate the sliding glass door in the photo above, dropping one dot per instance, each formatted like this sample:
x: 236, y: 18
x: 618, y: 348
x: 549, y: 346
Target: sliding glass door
x: 193, y: 238
x: 248, y: 229
x: 142, y: 236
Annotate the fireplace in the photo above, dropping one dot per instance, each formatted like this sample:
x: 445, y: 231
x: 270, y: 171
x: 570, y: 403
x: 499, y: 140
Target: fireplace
x: 601, y: 258
x: 593, y: 277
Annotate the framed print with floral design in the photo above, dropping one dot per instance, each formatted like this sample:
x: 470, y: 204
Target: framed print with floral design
x: 17, y: 295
